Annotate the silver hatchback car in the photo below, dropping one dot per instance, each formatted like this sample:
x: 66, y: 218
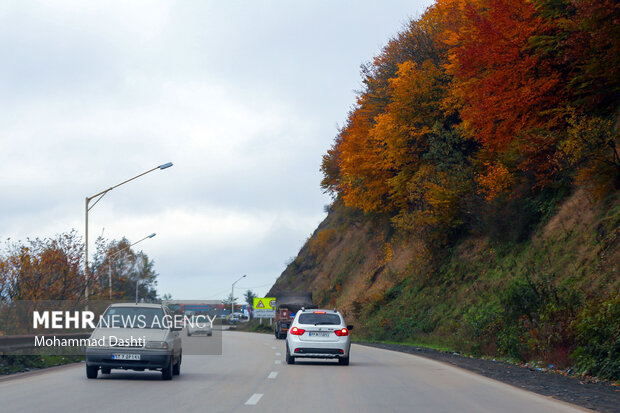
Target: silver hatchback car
x: 135, y: 337
x: 200, y: 324
x: 318, y: 334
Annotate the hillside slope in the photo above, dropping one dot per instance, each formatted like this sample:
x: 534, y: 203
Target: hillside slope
x: 484, y: 153
x: 552, y: 298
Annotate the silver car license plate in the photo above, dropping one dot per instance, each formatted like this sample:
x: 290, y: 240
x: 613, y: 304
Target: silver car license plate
x: 125, y: 356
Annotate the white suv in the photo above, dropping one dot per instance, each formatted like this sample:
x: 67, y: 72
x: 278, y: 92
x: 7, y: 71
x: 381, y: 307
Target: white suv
x: 318, y: 334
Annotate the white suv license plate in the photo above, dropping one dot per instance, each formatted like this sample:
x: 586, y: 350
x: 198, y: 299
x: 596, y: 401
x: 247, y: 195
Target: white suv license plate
x: 318, y: 334
x: 124, y: 356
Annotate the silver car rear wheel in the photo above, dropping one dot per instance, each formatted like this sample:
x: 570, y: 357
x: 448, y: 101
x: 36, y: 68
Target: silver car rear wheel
x: 166, y: 372
x: 91, y: 371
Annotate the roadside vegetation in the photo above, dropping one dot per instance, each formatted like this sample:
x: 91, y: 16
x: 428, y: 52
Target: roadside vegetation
x: 255, y: 326
x: 476, y: 187
x: 53, y: 269
x: 18, y: 364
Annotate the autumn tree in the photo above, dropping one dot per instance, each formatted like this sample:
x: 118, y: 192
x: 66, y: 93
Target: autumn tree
x: 355, y: 167
x: 482, y: 102
x: 53, y: 269
x: 583, y: 41
x: 42, y: 269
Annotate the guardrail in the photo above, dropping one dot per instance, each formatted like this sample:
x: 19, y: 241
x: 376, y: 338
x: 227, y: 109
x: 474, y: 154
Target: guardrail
x: 17, y: 342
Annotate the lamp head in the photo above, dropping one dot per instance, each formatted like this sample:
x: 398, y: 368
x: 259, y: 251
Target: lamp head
x: 166, y: 165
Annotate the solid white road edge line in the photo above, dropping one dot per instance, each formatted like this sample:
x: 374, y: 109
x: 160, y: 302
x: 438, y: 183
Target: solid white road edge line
x: 254, y: 399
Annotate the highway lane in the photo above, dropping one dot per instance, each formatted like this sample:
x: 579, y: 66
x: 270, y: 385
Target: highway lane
x: 251, y: 375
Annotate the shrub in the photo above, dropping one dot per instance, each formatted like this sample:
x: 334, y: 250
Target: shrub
x: 597, y: 329
x: 319, y: 243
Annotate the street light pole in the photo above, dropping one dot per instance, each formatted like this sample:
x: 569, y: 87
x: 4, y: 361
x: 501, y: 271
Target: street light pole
x: 137, y: 282
x: 99, y: 196
x: 141, y: 267
x: 115, y: 254
x: 232, y: 296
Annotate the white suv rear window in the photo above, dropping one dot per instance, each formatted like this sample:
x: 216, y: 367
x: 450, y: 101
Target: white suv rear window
x: 319, y: 319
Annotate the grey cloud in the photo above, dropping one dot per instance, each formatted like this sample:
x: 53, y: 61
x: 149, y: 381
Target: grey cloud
x: 242, y: 96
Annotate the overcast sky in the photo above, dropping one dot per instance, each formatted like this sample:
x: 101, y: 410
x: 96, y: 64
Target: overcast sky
x: 244, y: 97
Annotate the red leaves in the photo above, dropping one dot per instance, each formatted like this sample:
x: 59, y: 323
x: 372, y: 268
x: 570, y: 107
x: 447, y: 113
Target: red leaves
x: 505, y: 87
x: 502, y: 73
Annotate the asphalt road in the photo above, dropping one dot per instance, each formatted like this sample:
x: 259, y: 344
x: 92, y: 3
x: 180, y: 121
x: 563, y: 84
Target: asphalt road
x: 252, y: 376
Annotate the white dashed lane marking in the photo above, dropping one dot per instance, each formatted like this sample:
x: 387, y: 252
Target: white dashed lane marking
x: 254, y: 399
x: 278, y: 354
x: 278, y: 361
x: 273, y: 375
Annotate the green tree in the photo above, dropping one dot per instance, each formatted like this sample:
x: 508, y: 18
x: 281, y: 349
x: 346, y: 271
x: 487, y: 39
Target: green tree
x: 249, y: 297
x: 229, y: 300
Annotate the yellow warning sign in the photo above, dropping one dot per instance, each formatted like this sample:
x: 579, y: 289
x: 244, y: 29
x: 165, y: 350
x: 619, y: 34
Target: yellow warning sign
x: 267, y: 303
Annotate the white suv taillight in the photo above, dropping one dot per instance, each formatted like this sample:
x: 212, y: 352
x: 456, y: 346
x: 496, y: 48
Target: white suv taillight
x: 341, y: 333
x: 296, y: 331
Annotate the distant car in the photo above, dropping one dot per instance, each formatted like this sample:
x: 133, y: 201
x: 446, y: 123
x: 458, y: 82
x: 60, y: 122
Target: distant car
x: 198, y: 324
x: 241, y: 317
x: 318, y: 334
x: 232, y: 319
x: 135, y: 337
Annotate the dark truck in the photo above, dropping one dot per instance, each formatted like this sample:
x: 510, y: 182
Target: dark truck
x: 287, y: 305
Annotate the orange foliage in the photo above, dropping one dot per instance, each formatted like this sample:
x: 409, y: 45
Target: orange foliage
x: 363, y: 177
x: 53, y: 269
x: 495, y: 180
x: 43, y: 270
x: 476, y: 97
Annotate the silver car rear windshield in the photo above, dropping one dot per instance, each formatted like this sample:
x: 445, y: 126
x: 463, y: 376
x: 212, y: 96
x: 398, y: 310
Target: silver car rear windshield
x: 133, y: 317
x: 319, y: 319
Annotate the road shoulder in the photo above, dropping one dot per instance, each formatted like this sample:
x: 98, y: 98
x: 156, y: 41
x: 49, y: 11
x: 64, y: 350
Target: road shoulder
x: 36, y: 372
x: 599, y: 396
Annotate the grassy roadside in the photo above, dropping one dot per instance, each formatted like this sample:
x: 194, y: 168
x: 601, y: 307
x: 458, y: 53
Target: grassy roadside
x: 254, y: 326
x: 409, y: 343
x: 442, y: 348
x: 551, y: 298
x: 23, y: 363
